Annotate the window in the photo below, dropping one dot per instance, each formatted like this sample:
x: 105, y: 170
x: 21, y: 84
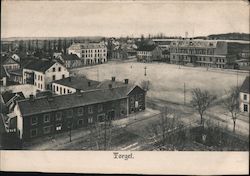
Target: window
x: 245, y: 108
x: 80, y: 111
x: 47, y: 130
x: 58, y: 127
x: 33, y: 133
x: 58, y: 116
x: 100, y: 108
x: 69, y: 113
x: 34, y: 120
x: 38, y: 77
x: 101, y: 118
x: 80, y: 122
x: 63, y: 76
x: 54, y: 87
x: 59, y: 69
x: 41, y: 86
x: 245, y: 97
x: 90, y: 109
x: 57, y: 88
x: 54, y: 69
x: 46, y: 118
x: 90, y: 119
x: 64, y: 91
x: 54, y: 77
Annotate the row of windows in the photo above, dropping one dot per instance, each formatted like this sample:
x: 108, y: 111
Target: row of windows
x: 69, y: 114
x: 54, y: 77
x: 198, y: 58
x: 12, y: 67
x: 40, y: 86
x: 38, y: 77
x: 58, y: 127
x: 91, y: 51
x: 91, y: 55
x: 54, y: 69
x: 62, y: 90
x: 192, y: 51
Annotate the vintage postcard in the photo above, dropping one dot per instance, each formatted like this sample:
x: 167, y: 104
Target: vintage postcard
x: 146, y: 87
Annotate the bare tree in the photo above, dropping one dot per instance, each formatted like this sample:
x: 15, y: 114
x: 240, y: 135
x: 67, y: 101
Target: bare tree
x: 231, y: 103
x: 101, y: 135
x: 167, y: 123
x: 201, y: 101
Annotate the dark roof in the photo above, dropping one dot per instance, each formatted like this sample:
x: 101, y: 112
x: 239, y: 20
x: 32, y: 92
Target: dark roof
x: 146, y: 47
x: 105, y: 84
x: 70, y: 57
x: 39, y: 65
x: 80, y: 83
x: 60, y: 102
x: 3, y: 72
x: 2, y: 127
x: 8, y: 95
x: 246, y: 85
x: 18, y: 72
x: 3, y: 59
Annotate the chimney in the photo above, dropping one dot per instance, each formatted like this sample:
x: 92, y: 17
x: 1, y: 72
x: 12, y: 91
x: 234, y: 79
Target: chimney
x: 110, y: 86
x: 89, y: 83
x: 113, y: 79
x: 126, y: 81
x: 32, y: 97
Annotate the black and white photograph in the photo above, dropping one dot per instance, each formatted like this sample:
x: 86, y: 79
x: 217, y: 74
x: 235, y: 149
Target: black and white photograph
x: 125, y: 77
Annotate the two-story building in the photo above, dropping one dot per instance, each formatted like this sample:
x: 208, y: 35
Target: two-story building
x: 89, y: 53
x: 149, y: 53
x: 9, y: 63
x: 70, y: 60
x: 38, y: 117
x: 206, y: 53
x: 42, y: 72
x: 245, y: 96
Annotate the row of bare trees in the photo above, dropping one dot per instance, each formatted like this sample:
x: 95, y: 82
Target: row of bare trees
x: 202, y: 100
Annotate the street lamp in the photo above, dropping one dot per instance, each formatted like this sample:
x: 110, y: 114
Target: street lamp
x: 145, y: 73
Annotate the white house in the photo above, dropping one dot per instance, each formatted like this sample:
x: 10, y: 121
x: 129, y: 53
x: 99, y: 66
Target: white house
x: 89, y: 53
x: 42, y: 73
x: 245, y: 96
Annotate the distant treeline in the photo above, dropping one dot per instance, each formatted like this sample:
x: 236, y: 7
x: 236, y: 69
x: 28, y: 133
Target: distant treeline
x: 231, y: 36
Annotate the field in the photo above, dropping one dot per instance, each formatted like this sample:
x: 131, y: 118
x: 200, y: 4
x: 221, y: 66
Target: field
x: 166, y: 80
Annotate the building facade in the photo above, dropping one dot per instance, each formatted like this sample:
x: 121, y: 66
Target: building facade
x: 245, y: 96
x: 205, y: 53
x: 149, y: 53
x: 89, y: 53
x: 66, y: 112
x: 42, y: 73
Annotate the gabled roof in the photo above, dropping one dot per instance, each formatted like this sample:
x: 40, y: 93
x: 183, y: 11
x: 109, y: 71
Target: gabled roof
x: 245, y: 88
x: 79, y: 83
x: 9, y: 95
x: 7, y: 60
x: 60, y: 102
x: 39, y: 65
x: 70, y: 57
x: 3, y: 72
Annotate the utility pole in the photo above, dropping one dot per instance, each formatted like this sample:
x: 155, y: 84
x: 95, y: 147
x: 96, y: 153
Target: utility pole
x: 105, y: 133
x: 237, y: 78
x: 70, y: 126
x: 184, y: 94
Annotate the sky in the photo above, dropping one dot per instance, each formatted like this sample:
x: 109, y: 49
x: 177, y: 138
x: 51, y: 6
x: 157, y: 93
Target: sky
x: 122, y: 18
